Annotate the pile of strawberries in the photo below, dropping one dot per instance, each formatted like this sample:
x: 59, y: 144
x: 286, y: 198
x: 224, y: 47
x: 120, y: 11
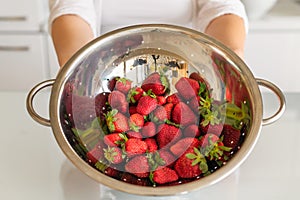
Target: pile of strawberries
x: 147, y: 136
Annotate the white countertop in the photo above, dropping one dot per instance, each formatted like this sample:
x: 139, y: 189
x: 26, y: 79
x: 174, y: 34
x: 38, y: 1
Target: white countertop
x: 33, y: 167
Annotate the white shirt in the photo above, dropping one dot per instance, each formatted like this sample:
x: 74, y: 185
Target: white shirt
x: 106, y: 15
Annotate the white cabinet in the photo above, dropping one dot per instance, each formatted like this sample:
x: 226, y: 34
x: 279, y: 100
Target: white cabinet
x: 20, y: 15
x: 23, y: 44
x: 23, y: 60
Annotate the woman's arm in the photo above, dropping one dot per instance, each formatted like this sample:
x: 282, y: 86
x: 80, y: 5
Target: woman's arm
x: 69, y: 34
x: 230, y: 30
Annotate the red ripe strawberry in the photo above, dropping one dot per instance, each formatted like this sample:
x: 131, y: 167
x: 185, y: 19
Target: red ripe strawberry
x: 164, y: 175
x: 183, y: 115
x: 213, y: 148
x: 149, y: 129
x: 139, y: 166
x: 123, y: 85
x: 169, y: 108
x: 211, y: 128
x: 187, y: 88
x: 112, y: 82
x: 114, y: 139
x: 117, y: 100
x: 136, y: 121
x: 116, y: 121
x: 95, y: 154
x: 187, y: 166
x: 146, y: 105
x: 134, y: 134
x: 194, y: 104
x: 159, y: 114
x: 191, y: 131
x: 174, y: 98
x: 167, y: 135
x: 196, y: 76
x: 101, y: 103
x: 157, y: 83
x: 132, y: 110
x: 134, y: 95
x: 182, y: 145
x: 135, y: 146
x: 167, y: 157
x: 113, y: 155
x: 231, y: 136
x: 152, y: 145
x: 161, y: 100
x: 208, y: 139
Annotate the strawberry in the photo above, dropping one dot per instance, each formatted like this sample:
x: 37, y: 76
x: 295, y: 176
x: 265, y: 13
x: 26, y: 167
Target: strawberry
x: 95, y: 154
x: 138, y: 165
x: 157, y: 83
x: 161, y: 100
x: 208, y: 139
x: 182, y: 145
x: 191, y: 164
x: 112, y: 83
x: 159, y: 114
x: 194, y: 104
x: 168, y: 158
x: 146, y: 105
x: 231, y: 136
x: 123, y: 85
x: 117, y: 100
x: 183, y: 115
x: 213, y: 148
x: 116, y: 121
x: 169, y: 108
x: 114, y: 139
x: 196, y: 76
x: 132, y: 110
x: 113, y: 155
x: 164, y: 175
x: 211, y: 128
x: 191, y: 131
x: 152, y: 145
x: 173, y: 98
x: 187, y: 88
x: 212, y: 121
x: 136, y: 121
x: 134, y: 95
x: 135, y: 146
x: 167, y: 135
x: 101, y: 106
x: 134, y: 134
x: 149, y: 129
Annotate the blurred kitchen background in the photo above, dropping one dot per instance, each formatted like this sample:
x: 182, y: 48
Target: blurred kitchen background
x: 27, y: 56
x: 34, y: 167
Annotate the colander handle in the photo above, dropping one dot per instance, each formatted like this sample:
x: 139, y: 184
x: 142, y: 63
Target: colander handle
x: 279, y: 94
x: 29, y: 102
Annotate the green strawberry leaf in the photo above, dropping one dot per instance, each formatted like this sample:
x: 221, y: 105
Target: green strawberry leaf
x: 203, y: 167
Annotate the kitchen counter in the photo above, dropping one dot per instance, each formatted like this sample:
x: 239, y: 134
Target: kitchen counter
x: 33, y: 166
